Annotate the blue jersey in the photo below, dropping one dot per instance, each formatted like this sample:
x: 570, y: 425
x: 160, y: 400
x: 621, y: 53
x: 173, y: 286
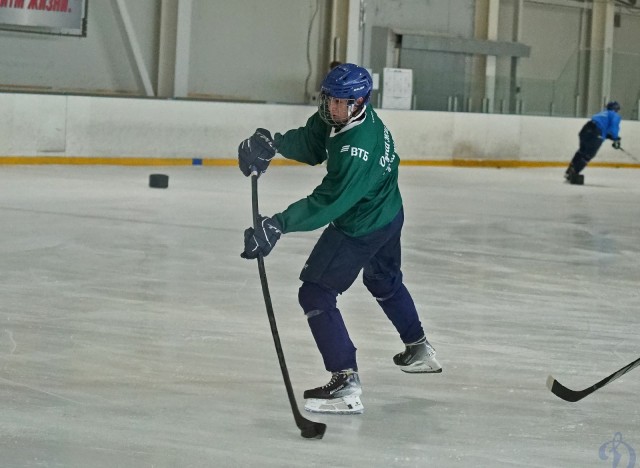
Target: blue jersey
x: 608, y: 122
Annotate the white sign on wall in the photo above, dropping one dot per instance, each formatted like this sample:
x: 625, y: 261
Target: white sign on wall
x: 397, y: 88
x: 66, y: 17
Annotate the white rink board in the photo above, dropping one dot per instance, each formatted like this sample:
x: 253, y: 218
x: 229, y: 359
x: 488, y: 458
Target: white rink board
x: 79, y: 126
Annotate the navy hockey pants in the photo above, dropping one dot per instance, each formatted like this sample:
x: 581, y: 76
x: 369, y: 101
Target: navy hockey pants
x: 590, y: 142
x: 333, y: 266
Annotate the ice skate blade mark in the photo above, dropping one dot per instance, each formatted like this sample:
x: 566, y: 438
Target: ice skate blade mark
x: 346, y: 405
x: 420, y: 368
x: 419, y: 371
x: 333, y: 411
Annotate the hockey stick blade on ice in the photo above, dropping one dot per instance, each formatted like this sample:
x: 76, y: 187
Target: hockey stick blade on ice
x: 575, y: 395
x: 308, y: 429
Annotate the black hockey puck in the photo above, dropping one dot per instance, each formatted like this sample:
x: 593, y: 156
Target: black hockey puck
x: 313, y: 430
x: 158, y: 180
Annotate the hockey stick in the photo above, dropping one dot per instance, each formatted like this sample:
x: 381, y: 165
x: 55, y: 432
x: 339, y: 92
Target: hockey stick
x: 308, y: 429
x: 574, y: 395
x: 630, y: 155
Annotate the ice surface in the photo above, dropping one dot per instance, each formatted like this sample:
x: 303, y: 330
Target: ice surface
x: 133, y: 334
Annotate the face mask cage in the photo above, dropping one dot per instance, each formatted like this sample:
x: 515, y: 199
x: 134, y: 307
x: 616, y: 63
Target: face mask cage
x: 324, y: 110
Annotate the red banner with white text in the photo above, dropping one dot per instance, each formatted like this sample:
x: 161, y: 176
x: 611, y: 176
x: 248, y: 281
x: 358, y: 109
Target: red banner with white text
x: 44, y: 16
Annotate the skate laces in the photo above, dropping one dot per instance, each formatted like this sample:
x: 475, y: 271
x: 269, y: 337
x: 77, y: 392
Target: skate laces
x: 335, y: 376
x: 334, y: 379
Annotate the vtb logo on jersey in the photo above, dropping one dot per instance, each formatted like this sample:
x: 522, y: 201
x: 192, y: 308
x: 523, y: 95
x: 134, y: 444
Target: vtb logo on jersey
x: 355, y: 152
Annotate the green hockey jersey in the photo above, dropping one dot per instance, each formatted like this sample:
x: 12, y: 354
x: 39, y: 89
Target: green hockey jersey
x: 360, y: 192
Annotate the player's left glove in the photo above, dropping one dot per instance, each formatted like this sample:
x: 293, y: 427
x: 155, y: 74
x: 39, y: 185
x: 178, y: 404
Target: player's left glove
x: 616, y: 144
x: 261, y: 241
x: 257, y: 151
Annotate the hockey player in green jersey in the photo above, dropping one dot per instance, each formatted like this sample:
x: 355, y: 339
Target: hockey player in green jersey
x: 360, y: 204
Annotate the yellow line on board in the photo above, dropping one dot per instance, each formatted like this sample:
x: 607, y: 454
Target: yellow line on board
x: 141, y: 161
x: 37, y: 160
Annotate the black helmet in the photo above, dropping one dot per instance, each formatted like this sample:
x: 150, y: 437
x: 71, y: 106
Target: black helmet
x: 613, y: 106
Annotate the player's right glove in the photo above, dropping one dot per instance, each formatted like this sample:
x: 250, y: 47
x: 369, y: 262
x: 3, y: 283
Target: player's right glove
x: 261, y: 241
x: 257, y: 151
x: 616, y: 144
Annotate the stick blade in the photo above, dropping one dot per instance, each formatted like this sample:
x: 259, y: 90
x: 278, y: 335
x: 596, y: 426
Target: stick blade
x: 551, y: 382
x: 563, y: 392
x: 313, y: 430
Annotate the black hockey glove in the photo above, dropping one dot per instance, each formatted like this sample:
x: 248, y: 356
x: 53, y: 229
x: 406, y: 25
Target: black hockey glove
x: 261, y: 241
x: 256, y: 152
x: 616, y: 144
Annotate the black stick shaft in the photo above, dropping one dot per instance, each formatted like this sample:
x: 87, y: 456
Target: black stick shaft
x: 309, y: 429
x: 617, y: 374
x: 267, y: 300
x: 630, y: 155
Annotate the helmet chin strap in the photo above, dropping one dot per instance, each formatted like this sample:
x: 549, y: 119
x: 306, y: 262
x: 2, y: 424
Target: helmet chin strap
x: 351, y: 109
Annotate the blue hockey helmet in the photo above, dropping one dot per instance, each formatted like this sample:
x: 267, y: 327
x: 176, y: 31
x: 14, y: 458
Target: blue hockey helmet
x: 613, y: 106
x: 348, y: 81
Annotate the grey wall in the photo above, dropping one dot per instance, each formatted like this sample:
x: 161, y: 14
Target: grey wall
x: 437, y: 75
x: 451, y: 17
x: 557, y: 68
x: 549, y: 74
x: 243, y: 49
x: 100, y: 62
x: 625, y: 82
x: 550, y: 81
x: 256, y: 50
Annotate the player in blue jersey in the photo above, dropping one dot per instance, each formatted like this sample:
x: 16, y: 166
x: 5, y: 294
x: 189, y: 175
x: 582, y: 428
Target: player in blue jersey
x: 603, y: 125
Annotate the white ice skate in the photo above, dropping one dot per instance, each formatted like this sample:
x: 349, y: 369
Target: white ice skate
x: 340, y: 396
x: 418, y: 358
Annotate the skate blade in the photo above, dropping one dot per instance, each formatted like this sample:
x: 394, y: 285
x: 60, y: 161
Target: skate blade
x: 346, y: 405
x: 422, y: 367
